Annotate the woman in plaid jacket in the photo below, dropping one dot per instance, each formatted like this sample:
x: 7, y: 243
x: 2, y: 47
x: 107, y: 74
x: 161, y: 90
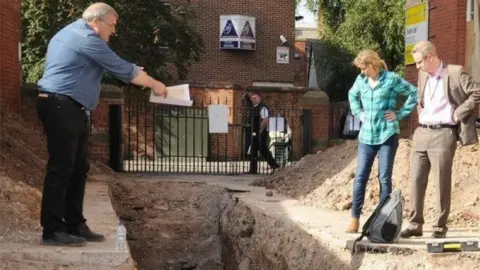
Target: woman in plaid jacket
x: 373, y: 98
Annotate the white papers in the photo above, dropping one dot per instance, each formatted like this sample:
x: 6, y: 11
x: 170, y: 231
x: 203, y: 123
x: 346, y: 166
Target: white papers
x: 276, y: 124
x: 218, y: 118
x: 177, y: 95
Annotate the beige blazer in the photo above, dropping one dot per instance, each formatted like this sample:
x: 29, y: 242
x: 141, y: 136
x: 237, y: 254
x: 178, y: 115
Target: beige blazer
x: 463, y: 93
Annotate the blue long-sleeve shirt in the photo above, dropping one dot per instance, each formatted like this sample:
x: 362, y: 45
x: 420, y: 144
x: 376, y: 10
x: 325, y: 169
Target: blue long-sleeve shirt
x: 76, y: 61
x: 371, y: 104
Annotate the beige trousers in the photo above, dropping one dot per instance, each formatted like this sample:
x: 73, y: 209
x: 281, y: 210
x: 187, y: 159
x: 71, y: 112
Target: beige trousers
x: 434, y: 150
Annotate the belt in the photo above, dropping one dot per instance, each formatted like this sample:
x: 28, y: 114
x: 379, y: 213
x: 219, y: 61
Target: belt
x: 57, y: 96
x: 437, y: 126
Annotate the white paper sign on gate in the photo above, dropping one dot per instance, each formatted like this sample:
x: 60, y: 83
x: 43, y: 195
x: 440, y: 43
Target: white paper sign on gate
x: 218, y: 118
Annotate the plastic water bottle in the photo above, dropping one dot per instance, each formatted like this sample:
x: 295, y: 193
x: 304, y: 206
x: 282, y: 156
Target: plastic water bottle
x: 121, y: 237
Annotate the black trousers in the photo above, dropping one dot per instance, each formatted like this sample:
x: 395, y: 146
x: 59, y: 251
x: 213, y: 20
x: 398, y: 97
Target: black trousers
x: 67, y: 128
x: 259, y: 143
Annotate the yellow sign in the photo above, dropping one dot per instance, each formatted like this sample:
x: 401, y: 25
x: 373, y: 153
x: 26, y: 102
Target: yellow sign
x: 416, y: 14
x: 408, y: 54
x: 416, y: 28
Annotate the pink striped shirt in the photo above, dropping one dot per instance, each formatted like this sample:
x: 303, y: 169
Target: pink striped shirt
x: 436, y: 108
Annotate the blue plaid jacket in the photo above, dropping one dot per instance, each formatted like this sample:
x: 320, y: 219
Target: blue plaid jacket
x: 370, y: 104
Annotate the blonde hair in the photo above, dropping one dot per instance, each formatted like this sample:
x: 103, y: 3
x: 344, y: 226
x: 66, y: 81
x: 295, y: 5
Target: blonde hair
x: 424, y: 48
x: 369, y: 57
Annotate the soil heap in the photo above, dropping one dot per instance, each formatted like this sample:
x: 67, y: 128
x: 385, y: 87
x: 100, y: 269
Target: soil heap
x: 325, y: 180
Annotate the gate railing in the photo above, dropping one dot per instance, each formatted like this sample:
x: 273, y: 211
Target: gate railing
x: 174, y: 139
x: 340, y: 127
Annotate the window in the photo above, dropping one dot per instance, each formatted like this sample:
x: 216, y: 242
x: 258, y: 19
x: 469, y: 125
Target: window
x: 470, y: 10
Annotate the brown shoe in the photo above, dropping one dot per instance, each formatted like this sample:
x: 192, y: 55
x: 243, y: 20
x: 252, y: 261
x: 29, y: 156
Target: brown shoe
x: 407, y: 233
x: 353, y: 225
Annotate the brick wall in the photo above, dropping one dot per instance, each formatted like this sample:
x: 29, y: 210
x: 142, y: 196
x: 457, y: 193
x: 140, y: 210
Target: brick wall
x: 9, y: 62
x: 447, y: 30
x: 319, y: 105
x: 222, y: 75
x: 227, y: 67
x: 300, y: 64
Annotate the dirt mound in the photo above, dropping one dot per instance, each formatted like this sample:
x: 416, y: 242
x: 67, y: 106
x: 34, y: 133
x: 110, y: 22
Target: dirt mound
x: 325, y: 180
x: 19, y: 211
x: 22, y: 151
x: 312, y: 170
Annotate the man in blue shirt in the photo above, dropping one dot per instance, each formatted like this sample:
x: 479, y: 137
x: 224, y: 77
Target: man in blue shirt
x: 77, y: 57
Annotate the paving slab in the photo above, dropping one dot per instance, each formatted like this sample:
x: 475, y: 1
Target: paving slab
x: 100, y: 217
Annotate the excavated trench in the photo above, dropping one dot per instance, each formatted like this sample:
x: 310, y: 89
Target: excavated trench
x: 171, y: 225
x: 183, y: 225
x: 174, y: 225
x: 187, y: 225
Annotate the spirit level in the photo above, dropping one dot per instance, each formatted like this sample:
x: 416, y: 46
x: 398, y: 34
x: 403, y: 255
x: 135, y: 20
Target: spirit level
x: 449, y: 245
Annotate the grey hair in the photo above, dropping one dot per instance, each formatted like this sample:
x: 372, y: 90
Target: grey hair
x: 424, y: 48
x: 98, y: 10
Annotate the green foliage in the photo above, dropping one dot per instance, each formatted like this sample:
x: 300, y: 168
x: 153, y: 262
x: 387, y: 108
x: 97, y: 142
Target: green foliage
x: 334, y: 69
x: 144, y: 32
x: 345, y: 28
x: 362, y: 24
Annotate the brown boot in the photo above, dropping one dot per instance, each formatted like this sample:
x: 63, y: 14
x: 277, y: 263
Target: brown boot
x: 353, y: 225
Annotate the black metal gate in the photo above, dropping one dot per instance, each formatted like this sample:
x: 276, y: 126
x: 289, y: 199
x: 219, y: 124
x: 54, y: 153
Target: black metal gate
x: 175, y: 139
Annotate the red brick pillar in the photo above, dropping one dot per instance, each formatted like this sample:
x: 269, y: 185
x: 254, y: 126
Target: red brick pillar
x: 318, y: 102
x: 10, y: 68
x: 99, y: 144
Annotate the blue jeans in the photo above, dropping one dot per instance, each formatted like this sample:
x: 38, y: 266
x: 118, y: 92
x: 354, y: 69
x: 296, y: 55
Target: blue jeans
x: 366, y: 156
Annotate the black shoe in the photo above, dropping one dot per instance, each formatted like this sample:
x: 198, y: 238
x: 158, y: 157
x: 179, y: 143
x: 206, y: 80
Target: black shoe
x: 61, y: 238
x: 437, y: 234
x: 83, y: 231
x: 407, y: 233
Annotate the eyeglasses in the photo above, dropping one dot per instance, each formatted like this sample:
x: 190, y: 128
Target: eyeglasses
x: 110, y: 25
x: 421, y: 61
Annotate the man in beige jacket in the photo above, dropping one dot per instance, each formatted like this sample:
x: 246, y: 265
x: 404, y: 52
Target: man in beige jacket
x: 448, y: 97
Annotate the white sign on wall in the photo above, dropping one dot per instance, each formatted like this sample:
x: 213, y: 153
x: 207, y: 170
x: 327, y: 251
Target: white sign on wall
x: 218, y: 118
x: 237, y: 32
x: 283, y: 55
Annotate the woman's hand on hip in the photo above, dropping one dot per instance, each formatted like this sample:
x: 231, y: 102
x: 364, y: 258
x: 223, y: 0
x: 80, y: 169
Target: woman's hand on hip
x: 389, y: 116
